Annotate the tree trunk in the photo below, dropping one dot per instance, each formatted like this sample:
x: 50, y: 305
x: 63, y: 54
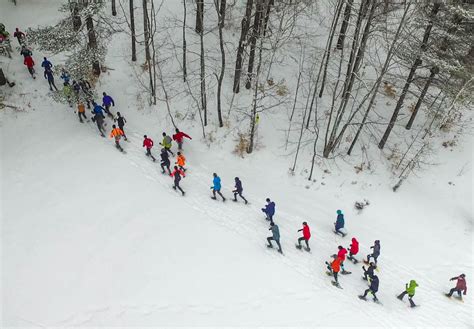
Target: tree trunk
x: 327, y: 54
x: 253, y: 41
x: 245, y: 26
x: 146, y: 31
x: 203, y: 75
x: 91, y: 32
x: 434, y: 70
x: 345, y: 24
x: 199, y: 16
x: 253, y: 117
x: 384, y: 70
x: 221, y: 44
x: 221, y: 12
x: 132, y: 31
x: 185, y: 65
x: 76, y: 18
x: 267, y: 16
x: 114, y: 9
x: 352, y: 70
x: 417, y: 62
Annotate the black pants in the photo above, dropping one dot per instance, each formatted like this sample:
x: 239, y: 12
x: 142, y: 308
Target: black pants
x: 452, y: 291
x: 117, y: 145
x: 180, y: 145
x: 168, y: 150
x: 100, y: 126
x: 176, y: 185
x: 107, y: 110
x: 148, y: 153
x: 79, y: 114
x: 32, y: 71
x: 218, y: 192
x: 124, y: 136
x: 303, y: 239
x: 167, y: 166
x: 367, y: 291
x: 367, y: 274
x: 410, y: 298
x: 239, y: 194
x: 51, y: 83
x: 373, y: 256
x: 270, y: 238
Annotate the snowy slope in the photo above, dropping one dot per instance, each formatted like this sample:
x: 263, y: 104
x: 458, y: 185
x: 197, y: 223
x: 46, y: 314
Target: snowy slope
x: 92, y: 237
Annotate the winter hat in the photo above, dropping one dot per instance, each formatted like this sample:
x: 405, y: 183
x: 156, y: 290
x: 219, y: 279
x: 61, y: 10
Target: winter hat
x: 268, y: 199
x: 304, y: 223
x: 339, y: 212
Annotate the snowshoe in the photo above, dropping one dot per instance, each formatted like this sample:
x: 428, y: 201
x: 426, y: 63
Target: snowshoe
x: 307, y: 249
x: 336, y: 284
x: 345, y: 272
x: 328, y: 273
x: 362, y: 297
x: 269, y: 246
x: 298, y: 247
x: 213, y: 198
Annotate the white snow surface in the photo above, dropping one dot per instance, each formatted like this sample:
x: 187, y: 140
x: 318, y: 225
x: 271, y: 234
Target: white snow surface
x: 93, y: 237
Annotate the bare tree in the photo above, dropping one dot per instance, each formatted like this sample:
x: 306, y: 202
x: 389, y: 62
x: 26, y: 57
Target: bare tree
x: 411, y: 74
x: 220, y: 78
x: 146, y: 31
x: 253, y: 41
x: 132, y: 31
x: 114, y: 9
x: 199, y: 16
x: 345, y: 24
x: 185, y: 65
x: 245, y: 26
x: 434, y: 70
x: 202, y: 65
x: 383, y: 71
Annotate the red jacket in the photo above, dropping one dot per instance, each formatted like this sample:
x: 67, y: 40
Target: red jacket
x: 178, y: 137
x: 148, y: 143
x: 177, y: 171
x: 354, y: 246
x: 306, y: 232
x: 342, y: 254
x: 29, y: 62
x: 461, y: 284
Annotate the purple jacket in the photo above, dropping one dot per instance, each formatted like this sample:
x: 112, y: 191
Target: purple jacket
x: 107, y: 101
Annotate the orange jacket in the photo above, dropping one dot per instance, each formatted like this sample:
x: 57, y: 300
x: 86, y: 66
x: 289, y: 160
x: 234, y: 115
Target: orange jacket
x: 336, y: 265
x: 116, y: 132
x: 181, y: 160
x: 81, y: 108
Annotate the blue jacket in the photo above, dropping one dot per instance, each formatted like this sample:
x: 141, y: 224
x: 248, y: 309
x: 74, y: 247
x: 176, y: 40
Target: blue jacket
x: 98, y: 109
x: 65, y: 76
x: 46, y: 64
x: 48, y: 74
x: 107, y: 101
x: 217, y: 183
x: 339, y: 221
x: 270, y: 209
x: 275, y: 232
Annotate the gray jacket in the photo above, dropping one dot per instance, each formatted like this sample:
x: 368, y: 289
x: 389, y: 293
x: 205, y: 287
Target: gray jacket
x: 275, y: 232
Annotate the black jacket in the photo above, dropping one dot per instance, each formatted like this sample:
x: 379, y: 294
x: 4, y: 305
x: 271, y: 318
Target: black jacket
x: 374, y: 284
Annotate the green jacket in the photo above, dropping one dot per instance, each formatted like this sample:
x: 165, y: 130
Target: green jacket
x: 67, y: 91
x: 411, y: 288
x: 166, y: 141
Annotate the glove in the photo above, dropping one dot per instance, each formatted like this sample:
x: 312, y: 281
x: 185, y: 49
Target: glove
x: 211, y: 187
x: 263, y: 209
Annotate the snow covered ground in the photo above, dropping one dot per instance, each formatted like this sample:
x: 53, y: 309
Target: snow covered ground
x: 93, y: 237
